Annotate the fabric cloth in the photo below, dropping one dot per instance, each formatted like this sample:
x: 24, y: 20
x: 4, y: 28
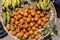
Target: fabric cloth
x: 56, y: 2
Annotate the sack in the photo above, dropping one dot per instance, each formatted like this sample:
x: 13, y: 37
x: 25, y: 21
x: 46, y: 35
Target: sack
x: 56, y: 2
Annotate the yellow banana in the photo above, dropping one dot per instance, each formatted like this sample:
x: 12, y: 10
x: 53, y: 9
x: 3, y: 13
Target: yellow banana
x: 48, y: 7
x: 6, y: 5
x: 14, y: 3
x: 4, y: 17
x: 38, y: 5
x: 9, y: 2
x: 3, y: 2
x: 44, y: 4
x: 18, y: 2
x: 8, y: 12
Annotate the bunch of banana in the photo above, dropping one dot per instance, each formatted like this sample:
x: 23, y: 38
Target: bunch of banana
x: 11, y: 3
x: 6, y: 3
x: 3, y: 2
x: 6, y: 16
x: 44, y: 4
x: 18, y: 2
x: 14, y: 3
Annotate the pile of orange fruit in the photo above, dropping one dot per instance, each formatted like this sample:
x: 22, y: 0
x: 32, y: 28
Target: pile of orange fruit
x: 26, y: 21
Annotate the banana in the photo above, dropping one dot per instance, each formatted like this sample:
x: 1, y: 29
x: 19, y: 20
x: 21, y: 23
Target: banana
x: 6, y: 5
x: 44, y: 4
x: 48, y: 7
x: 9, y: 3
x: 38, y: 5
x: 4, y: 17
x: 8, y: 15
x: 18, y: 3
x: 3, y: 2
x: 48, y: 1
x: 41, y: 3
x: 14, y: 2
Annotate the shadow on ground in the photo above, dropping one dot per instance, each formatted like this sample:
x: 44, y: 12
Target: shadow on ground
x: 48, y: 38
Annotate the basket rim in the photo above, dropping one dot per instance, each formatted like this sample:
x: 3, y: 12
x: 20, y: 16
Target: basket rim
x: 43, y: 37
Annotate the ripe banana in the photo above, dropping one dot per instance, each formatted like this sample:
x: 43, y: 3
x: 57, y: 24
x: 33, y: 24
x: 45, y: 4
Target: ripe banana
x: 44, y: 4
x: 18, y: 2
x: 38, y: 5
x: 3, y: 2
x: 6, y: 5
x: 48, y: 6
x: 14, y: 3
x: 4, y: 17
x: 8, y: 12
x: 11, y: 3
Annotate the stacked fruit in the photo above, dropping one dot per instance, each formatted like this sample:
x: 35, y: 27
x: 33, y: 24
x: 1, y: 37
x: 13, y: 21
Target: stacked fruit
x: 6, y: 16
x: 44, y: 4
x: 11, y: 3
x: 27, y: 21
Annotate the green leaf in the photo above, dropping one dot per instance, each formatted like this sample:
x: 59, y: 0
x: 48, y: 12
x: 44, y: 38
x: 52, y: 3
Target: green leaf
x: 54, y: 29
x: 53, y: 26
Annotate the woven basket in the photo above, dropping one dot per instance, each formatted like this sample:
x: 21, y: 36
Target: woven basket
x: 53, y: 15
